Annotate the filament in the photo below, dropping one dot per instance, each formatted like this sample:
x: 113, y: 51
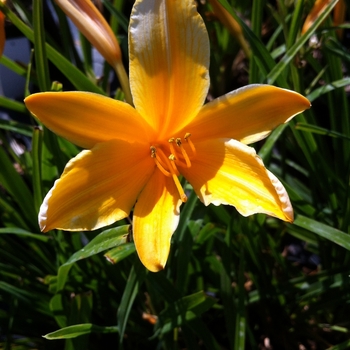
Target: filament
x: 190, y: 143
x: 158, y: 162
x: 184, y: 154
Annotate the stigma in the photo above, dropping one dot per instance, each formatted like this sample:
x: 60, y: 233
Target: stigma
x: 169, y: 156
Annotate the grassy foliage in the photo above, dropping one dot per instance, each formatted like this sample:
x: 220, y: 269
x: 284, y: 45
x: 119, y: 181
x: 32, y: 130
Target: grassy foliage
x: 231, y: 282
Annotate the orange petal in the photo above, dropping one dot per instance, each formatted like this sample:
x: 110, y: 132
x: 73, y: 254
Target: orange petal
x: 92, y: 24
x: 85, y: 118
x: 229, y: 172
x: 98, y: 187
x: 315, y: 12
x: 2, y: 33
x: 169, y: 60
x: 248, y: 114
x: 156, y: 217
x: 339, y: 16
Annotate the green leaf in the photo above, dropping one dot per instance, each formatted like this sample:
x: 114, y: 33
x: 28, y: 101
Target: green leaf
x: 327, y: 88
x: 17, y: 127
x: 42, y: 68
x: 321, y: 131
x: 136, y: 277
x: 37, y: 141
x: 16, y: 187
x: 342, y: 346
x: 122, y: 20
x: 325, y: 231
x: 12, y: 105
x: 184, y: 310
x: 119, y: 253
x: 23, y: 233
x: 78, y: 330
x: 293, y: 50
x: 241, y: 319
x: 105, y: 240
x: 12, y: 65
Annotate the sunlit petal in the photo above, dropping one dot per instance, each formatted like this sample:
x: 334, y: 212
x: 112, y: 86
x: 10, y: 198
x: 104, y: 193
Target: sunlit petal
x: 86, y: 118
x: 156, y: 217
x: 92, y: 24
x: 97, y: 188
x: 229, y: 172
x: 247, y: 114
x: 169, y: 59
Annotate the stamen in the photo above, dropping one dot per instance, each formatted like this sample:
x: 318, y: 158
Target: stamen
x: 172, y: 159
x: 183, y: 197
x: 160, y: 158
x: 158, y: 163
x: 184, y: 154
x: 172, y: 148
x: 190, y: 143
x: 168, y: 163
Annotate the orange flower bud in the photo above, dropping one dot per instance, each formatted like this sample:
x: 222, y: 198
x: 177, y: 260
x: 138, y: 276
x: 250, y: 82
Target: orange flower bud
x: 94, y: 27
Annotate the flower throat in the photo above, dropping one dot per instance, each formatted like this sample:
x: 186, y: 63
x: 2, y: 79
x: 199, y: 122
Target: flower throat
x: 178, y: 157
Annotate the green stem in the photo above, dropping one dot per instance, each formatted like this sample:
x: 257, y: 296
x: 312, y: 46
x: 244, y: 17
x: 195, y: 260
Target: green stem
x: 124, y: 81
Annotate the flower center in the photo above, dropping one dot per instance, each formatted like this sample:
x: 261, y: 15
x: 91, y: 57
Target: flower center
x: 178, y: 157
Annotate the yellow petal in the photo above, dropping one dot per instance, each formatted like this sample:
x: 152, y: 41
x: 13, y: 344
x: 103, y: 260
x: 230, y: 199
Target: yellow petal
x: 2, y: 33
x: 92, y: 24
x: 169, y: 60
x: 229, y: 172
x: 156, y: 216
x: 98, y: 187
x: 86, y: 118
x: 248, y: 114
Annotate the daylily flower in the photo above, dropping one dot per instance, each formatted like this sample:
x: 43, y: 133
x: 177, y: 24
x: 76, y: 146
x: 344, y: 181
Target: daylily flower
x: 135, y: 155
x: 94, y: 27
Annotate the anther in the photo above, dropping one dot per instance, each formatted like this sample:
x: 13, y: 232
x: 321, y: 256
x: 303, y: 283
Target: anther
x: 190, y: 143
x: 172, y: 159
x: 153, y: 151
x: 172, y: 148
x: 157, y: 160
x: 160, y: 159
x: 184, y: 154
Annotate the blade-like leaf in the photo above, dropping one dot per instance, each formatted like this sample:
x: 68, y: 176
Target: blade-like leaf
x: 78, y: 330
x: 105, y: 240
x: 325, y: 231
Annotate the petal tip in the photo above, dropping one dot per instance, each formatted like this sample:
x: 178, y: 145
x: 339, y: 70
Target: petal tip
x: 155, y: 267
x: 285, y: 204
